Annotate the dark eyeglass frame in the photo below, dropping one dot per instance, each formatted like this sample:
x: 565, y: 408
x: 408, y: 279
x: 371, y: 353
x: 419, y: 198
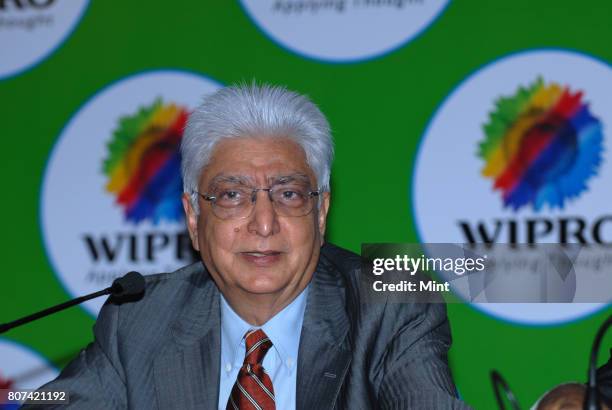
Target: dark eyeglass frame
x: 212, y: 199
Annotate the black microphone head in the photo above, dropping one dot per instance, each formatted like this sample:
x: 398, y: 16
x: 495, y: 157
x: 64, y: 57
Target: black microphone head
x: 131, y: 284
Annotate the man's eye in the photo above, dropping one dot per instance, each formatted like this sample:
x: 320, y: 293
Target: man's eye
x: 290, y: 194
x: 230, y: 195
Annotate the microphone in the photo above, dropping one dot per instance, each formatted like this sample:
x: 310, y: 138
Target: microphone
x: 498, y: 381
x: 130, y: 285
x: 591, y: 399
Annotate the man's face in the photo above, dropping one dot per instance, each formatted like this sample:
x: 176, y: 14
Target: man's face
x: 264, y: 253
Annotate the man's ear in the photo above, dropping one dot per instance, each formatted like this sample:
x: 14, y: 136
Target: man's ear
x: 191, y: 218
x: 325, y: 198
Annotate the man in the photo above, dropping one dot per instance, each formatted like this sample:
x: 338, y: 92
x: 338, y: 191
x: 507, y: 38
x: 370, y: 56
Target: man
x: 604, y: 380
x: 567, y: 396
x: 271, y: 318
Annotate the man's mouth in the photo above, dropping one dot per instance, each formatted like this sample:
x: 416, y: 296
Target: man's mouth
x: 261, y: 258
x: 265, y: 253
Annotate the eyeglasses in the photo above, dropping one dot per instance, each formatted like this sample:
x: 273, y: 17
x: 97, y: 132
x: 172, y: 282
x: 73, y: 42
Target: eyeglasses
x: 237, y: 202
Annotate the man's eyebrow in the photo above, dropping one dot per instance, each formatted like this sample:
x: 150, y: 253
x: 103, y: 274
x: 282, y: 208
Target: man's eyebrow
x: 286, y: 179
x: 250, y: 182
x: 233, y: 179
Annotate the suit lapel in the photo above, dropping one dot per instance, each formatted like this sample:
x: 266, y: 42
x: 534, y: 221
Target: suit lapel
x: 187, y: 370
x: 324, y: 353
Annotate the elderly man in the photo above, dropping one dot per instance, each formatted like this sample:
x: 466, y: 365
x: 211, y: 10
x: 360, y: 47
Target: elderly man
x: 271, y: 318
x: 567, y: 396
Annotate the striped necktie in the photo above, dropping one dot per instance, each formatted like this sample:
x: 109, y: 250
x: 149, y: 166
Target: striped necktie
x: 253, y: 388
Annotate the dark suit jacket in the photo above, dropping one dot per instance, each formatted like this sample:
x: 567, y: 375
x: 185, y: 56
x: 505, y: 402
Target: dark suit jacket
x: 163, y: 351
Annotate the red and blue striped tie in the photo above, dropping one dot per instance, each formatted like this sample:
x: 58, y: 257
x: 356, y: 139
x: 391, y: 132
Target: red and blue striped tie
x: 253, y: 388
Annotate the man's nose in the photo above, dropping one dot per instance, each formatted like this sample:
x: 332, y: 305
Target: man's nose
x: 263, y: 220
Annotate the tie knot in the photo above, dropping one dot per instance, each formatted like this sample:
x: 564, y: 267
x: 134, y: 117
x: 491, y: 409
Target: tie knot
x: 257, y: 345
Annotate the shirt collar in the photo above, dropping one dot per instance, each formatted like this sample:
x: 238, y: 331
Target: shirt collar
x: 283, y: 329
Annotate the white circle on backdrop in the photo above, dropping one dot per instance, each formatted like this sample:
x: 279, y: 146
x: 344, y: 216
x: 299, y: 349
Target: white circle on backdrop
x: 75, y: 204
x: 343, y: 30
x: 447, y: 182
x: 30, y: 30
x: 23, y: 367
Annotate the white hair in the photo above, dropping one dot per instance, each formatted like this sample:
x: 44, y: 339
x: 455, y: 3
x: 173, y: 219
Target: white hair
x: 255, y: 111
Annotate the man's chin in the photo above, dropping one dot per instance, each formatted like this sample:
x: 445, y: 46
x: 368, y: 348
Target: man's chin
x: 263, y: 288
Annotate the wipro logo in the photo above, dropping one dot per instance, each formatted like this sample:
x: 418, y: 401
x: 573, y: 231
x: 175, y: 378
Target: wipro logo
x: 542, y: 144
x: 370, y: 28
x: 5, y: 384
x: 143, y: 163
x: 21, y: 368
x: 31, y: 30
x: 118, y: 160
x: 524, y: 138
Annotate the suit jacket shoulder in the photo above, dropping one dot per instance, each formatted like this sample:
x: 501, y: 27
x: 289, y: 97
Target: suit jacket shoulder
x: 398, y: 348
x: 148, y: 354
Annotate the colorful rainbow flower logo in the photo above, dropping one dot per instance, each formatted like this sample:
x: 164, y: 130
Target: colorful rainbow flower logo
x: 541, y: 146
x: 5, y: 384
x: 143, y: 163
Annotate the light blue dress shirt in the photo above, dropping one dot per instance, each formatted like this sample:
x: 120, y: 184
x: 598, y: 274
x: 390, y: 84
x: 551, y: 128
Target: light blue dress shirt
x: 281, y: 360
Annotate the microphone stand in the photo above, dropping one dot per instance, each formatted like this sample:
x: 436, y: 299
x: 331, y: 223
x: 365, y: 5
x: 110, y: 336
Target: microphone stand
x: 591, y: 399
x: 130, y: 284
x: 5, y: 327
x: 498, y: 381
